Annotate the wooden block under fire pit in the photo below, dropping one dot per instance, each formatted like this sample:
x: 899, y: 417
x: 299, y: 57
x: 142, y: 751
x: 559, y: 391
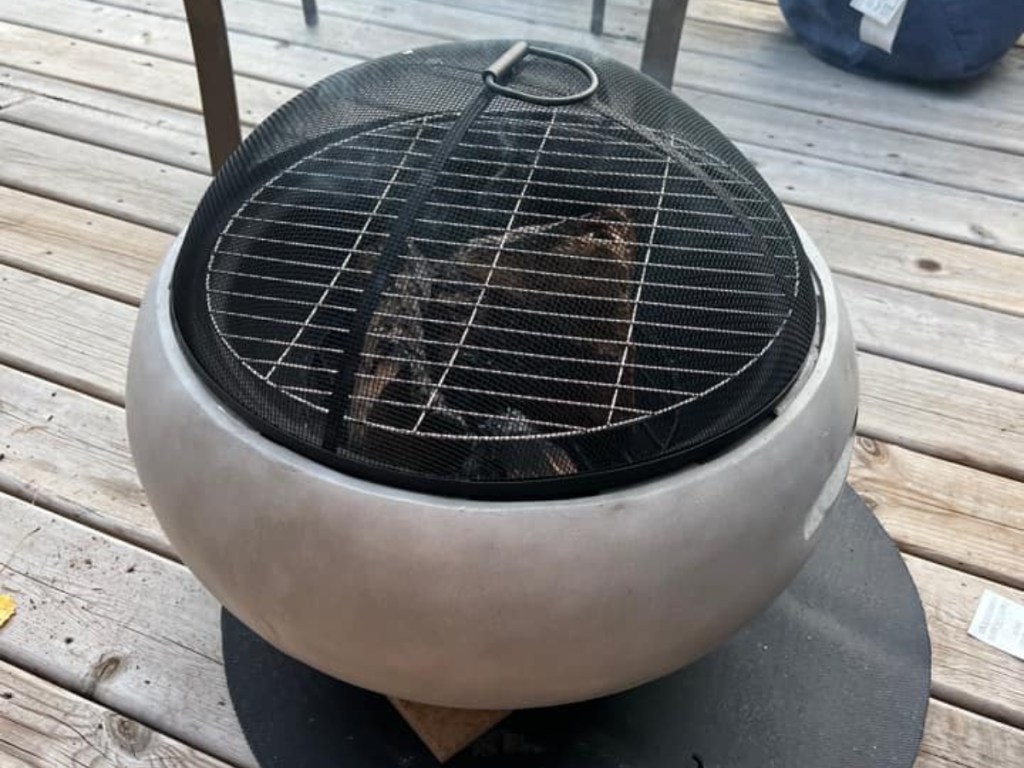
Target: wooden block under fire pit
x: 447, y: 731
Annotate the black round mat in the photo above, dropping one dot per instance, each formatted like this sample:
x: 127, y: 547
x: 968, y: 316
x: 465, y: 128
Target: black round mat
x: 834, y: 674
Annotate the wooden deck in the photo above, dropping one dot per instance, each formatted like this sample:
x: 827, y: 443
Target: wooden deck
x: 914, y: 196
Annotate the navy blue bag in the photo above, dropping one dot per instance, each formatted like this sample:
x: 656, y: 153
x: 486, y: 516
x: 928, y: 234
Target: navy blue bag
x: 937, y: 39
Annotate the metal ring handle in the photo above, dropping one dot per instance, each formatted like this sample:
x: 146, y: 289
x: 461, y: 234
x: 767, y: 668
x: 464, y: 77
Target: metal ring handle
x: 503, y: 66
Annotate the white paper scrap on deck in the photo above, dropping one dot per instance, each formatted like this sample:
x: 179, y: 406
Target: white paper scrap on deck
x: 880, y: 22
x: 1000, y: 623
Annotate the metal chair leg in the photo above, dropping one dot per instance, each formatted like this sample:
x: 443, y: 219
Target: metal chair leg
x: 310, y: 12
x: 216, y: 78
x: 597, y: 17
x: 661, y: 44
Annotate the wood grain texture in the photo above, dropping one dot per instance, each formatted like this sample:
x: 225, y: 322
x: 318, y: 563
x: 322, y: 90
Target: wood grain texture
x: 107, y: 119
x: 954, y: 738
x: 943, y: 335
x: 99, y: 253
x: 966, y: 671
x: 101, y: 180
x: 929, y: 265
x: 863, y: 145
x: 45, y: 726
x: 883, y: 198
x: 144, y: 637
x: 126, y: 628
x: 447, y: 731
x: 163, y: 81
x: 267, y: 56
x: 111, y: 130
x: 69, y: 453
x: 64, y: 333
x: 943, y: 511
x: 963, y: 421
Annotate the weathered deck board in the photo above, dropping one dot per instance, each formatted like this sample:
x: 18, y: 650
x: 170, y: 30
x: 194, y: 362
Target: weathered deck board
x: 942, y: 415
x: 864, y: 146
x: 919, y: 206
x: 256, y: 56
x: 60, y: 332
x: 68, y: 452
x: 98, y: 253
x: 955, y: 739
x: 134, y: 617
x: 44, y: 726
x: 966, y: 671
x: 108, y: 119
x: 943, y: 268
x: 128, y: 629
x: 945, y: 512
x: 101, y: 180
x: 163, y: 81
x: 935, y: 333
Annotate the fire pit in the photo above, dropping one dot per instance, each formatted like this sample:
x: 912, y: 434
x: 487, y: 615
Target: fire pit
x: 492, y: 375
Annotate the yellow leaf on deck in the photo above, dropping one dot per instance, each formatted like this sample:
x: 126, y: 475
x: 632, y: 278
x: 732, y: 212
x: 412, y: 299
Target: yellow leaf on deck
x: 7, y: 608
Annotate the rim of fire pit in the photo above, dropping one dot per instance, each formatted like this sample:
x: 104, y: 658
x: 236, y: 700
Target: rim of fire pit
x: 580, y: 299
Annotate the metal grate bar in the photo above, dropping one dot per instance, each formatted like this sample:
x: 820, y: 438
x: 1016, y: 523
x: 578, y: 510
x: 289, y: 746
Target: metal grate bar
x: 636, y: 304
x: 483, y: 290
x: 244, y: 295
x: 556, y: 379
x: 269, y: 319
x: 448, y: 410
x: 588, y: 297
x: 470, y: 225
x: 495, y: 180
x: 540, y: 355
x: 529, y: 397
x: 648, y: 323
x: 366, y: 225
x: 292, y: 262
x: 567, y: 337
x: 287, y: 280
x: 440, y: 241
x: 512, y: 164
x: 457, y: 303
x: 489, y: 209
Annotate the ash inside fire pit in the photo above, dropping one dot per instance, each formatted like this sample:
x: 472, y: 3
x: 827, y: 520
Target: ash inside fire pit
x: 448, y: 334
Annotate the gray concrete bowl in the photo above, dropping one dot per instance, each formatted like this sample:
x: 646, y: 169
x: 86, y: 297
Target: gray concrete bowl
x: 487, y: 604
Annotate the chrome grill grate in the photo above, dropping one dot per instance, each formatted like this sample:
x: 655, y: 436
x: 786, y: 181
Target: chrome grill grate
x: 580, y: 290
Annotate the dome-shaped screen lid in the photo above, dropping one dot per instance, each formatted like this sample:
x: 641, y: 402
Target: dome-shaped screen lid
x: 494, y: 270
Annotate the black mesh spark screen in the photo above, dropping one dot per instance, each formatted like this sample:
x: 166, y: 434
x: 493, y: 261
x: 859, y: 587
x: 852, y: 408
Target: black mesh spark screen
x: 413, y: 278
